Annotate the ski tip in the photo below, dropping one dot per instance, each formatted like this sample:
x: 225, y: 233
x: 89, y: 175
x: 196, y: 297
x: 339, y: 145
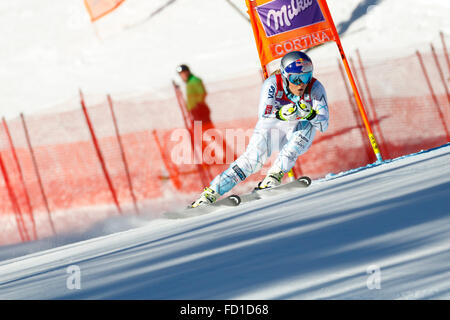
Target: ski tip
x: 236, y: 200
x: 306, y: 180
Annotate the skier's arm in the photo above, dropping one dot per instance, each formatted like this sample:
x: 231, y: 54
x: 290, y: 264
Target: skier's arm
x: 266, y: 106
x: 315, y: 110
x: 320, y: 107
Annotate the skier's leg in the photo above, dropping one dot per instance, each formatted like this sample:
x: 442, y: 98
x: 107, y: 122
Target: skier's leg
x: 298, y: 142
x: 258, y: 151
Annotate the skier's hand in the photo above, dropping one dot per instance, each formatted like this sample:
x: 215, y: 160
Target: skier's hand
x: 306, y: 111
x: 288, y: 112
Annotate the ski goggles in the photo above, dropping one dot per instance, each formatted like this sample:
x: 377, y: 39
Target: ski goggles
x: 297, y: 79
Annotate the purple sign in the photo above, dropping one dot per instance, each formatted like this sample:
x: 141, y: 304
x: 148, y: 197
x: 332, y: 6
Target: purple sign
x: 280, y: 16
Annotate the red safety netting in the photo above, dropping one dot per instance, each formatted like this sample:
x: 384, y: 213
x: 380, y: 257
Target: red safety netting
x: 61, y: 182
x: 100, y: 8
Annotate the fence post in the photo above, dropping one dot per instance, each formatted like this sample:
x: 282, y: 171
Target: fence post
x: 203, y: 171
x: 433, y: 95
x: 358, y: 83
x: 445, y: 50
x: 122, y: 152
x: 15, y: 206
x: 372, y: 107
x: 99, y: 153
x: 441, y: 74
x: 22, y: 180
x: 38, y: 175
x: 173, y: 172
x: 353, y: 107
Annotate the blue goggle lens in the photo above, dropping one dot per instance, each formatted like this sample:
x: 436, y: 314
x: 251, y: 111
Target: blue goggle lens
x: 297, y: 79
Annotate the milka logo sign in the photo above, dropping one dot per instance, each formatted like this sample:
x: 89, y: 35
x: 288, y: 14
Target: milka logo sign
x: 280, y: 16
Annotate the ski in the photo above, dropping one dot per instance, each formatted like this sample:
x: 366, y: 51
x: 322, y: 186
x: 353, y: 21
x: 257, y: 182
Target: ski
x: 229, y: 201
x: 235, y: 200
x: 256, y: 194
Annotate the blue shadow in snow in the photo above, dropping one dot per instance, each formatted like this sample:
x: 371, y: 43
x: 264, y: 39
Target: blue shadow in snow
x: 358, y: 12
x: 259, y: 263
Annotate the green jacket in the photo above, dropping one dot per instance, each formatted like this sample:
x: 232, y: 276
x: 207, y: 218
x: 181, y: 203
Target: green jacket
x: 195, y: 92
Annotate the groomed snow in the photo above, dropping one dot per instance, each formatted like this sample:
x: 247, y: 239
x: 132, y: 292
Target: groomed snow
x: 315, y: 243
x: 312, y: 244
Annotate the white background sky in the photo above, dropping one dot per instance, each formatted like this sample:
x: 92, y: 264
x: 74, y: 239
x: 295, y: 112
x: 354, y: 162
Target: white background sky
x: 50, y: 48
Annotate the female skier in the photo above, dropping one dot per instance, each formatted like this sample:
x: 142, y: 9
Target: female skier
x: 293, y: 105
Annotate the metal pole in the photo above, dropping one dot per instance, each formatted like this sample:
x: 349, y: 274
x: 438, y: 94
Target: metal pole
x: 359, y: 102
x: 203, y: 171
x: 122, y: 152
x: 238, y: 11
x: 441, y: 74
x: 38, y: 175
x: 22, y: 180
x: 19, y: 219
x: 354, y: 110
x: 99, y: 153
x: 433, y: 95
x: 445, y: 50
x: 377, y: 120
x: 173, y: 172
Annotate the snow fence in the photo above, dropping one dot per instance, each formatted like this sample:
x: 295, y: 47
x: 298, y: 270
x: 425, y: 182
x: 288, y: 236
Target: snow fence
x: 72, y: 166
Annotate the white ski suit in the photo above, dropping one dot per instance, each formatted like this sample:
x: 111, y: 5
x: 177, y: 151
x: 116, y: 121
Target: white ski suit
x: 291, y: 138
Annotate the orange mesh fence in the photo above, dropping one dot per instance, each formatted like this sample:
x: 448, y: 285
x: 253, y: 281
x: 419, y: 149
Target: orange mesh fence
x: 409, y: 117
x: 100, y: 8
x: 408, y: 120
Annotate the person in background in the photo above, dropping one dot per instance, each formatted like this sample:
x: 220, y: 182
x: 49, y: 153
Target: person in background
x: 197, y: 106
x: 195, y: 97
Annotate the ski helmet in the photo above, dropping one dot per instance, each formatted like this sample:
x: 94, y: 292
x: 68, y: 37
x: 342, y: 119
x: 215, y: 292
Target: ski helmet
x: 182, y: 67
x: 296, y: 67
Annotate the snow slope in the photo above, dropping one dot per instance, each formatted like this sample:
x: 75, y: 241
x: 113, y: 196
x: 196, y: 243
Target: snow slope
x: 315, y: 243
x: 50, y: 48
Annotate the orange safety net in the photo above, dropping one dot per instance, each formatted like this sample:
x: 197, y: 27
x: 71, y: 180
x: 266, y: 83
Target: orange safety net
x: 61, y: 185
x: 100, y: 8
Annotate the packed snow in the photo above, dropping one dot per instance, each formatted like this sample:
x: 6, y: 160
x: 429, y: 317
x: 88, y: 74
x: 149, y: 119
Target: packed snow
x: 380, y: 232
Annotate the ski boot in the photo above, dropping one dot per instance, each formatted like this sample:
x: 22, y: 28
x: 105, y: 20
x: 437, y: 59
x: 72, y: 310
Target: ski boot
x: 208, y: 196
x: 272, y: 179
